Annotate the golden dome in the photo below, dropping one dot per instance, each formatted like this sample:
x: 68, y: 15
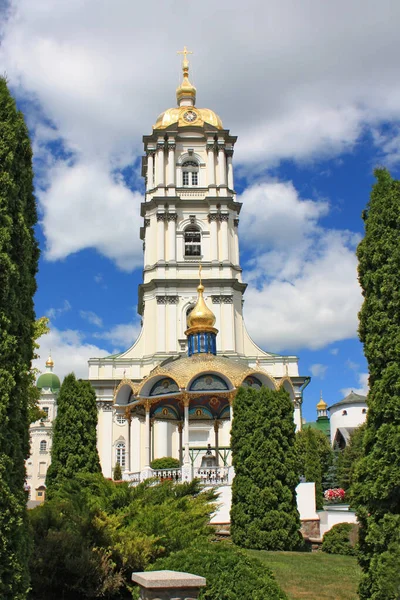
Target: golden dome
x: 177, y: 115
x: 201, y: 318
x: 49, y: 362
x: 186, y: 114
x: 322, y: 405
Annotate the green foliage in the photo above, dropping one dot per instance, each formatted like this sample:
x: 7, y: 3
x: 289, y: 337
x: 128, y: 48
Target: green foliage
x: 117, y: 475
x: 314, y: 458
x: 376, y: 489
x: 349, y: 457
x: 34, y: 413
x: 230, y: 573
x: 93, y: 533
x: 264, y: 512
x: 165, y: 463
x: 18, y: 266
x: 341, y: 539
x: 74, y: 439
x: 331, y: 479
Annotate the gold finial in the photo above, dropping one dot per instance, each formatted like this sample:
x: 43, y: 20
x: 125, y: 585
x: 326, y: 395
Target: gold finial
x: 200, y: 270
x: 186, y: 91
x: 185, y: 52
x: 49, y: 361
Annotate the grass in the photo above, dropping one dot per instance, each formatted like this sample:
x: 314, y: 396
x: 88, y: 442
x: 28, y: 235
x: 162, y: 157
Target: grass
x: 313, y: 576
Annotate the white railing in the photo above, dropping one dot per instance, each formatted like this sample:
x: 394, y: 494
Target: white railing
x: 133, y: 478
x: 211, y: 475
x: 168, y: 474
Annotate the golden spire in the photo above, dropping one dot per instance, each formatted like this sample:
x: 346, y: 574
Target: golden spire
x: 322, y: 405
x: 186, y: 90
x: 201, y: 318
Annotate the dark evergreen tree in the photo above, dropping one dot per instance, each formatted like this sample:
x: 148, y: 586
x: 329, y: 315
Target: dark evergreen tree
x: 376, y: 491
x: 331, y: 479
x: 117, y: 475
x: 18, y: 265
x: 314, y: 458
x: 74, y: 439
x: 349, y: 457
x: 264, y: 512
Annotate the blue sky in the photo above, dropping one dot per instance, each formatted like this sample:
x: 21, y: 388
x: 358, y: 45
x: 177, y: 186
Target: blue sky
x: 311, y: 89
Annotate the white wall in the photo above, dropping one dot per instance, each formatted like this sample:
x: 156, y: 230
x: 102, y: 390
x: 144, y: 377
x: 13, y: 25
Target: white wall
x: 353, y: 418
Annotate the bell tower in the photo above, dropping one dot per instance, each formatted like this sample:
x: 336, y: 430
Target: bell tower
x: 190, y: 216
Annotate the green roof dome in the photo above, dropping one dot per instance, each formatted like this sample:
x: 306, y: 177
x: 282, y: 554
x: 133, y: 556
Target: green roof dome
x: 48, y: 380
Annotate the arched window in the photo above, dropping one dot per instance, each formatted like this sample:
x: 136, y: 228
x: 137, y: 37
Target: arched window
x: 190, y: 173
x: 120, y: 454
x: 43, y: 446
x: 192, y: 241
x: 364, y: 411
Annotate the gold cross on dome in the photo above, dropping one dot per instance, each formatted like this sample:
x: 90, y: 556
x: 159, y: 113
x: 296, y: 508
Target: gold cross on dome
x: 185, y: 52
x: 200, y: 269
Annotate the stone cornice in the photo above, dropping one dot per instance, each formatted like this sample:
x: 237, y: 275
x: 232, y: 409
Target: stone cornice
x: 209, y: 202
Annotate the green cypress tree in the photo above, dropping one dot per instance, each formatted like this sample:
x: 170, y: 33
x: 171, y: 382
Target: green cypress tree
x: 18, y: 266
x: 74, y: 439
x: 314, y: 458
x: 264, y: 513
x: 349, y: 457
x: 312, y: 467
x: 376, y: 491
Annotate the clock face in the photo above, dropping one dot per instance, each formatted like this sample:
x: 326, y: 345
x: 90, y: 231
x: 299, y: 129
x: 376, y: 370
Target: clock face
x: 190, y: 116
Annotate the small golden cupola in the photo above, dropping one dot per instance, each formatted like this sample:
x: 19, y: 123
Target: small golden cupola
x: 201, y: 332
x: 322, y: 407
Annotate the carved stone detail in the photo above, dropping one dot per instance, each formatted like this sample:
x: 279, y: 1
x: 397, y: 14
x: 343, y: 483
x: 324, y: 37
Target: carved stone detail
x: 192, y: 219
x: 224, y: 217
x: 236, y: 222
x: 147, y: 222
x: 105, y: 406
x: 150, y: 152
x: 229, y: 151
x: 213, y: 217
x: 161, y: 216
x: 160, y: 145
x: 222, y: 299
x: 171, y: 146
x: 167, y: 299
x: 172, y: 217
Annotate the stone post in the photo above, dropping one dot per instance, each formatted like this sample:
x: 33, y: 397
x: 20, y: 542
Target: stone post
x: 168, y: 585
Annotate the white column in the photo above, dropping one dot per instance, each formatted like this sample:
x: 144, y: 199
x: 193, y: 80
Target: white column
x: 150, y: 169
x: 180, y: 430
x: 216, y: 428
x: 161, y: 236
x: 297, y: 413
x: 236, y: 259
x: 171, y: 325
x: 106, y: 447
x: 135, y: 445
x: 172, y: 236
x: 147, y: 457
x: 128, y: 460
x: 224, y: 237
x: 213, y: 218
x: 160, y: 325
x: 161, y: 439
x: 171, y: 163
x: 221, y: 165
x: 160, y: 166
x: 186, y: 456
x: 229, y: 153
x: 210, y: 163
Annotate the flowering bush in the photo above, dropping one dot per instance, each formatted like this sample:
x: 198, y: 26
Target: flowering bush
x: 335, y: 495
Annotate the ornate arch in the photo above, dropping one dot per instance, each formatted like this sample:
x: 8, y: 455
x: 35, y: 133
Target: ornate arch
x: 192, y: 156
x: 286, y: 384
x: 265, y: 378
x: 124, y: 383
x: 156, y: 375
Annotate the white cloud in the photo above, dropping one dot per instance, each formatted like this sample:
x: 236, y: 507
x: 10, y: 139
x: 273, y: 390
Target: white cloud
x: 334, y: 351
x: 304, y: 292
x: 362, y: 380
x: 53, y: 313
x: 69, y: 351
x: 319, y: 371
x: 86, y: 207
x: 121, y: 336
x: 91, y: 317
x: 303, y: 82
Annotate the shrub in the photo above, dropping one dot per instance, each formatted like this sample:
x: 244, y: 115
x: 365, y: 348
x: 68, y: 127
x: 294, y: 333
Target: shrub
x: 165, y: 463
x: 230, y: 573
x: 117, y: 475
x: 341, y: 539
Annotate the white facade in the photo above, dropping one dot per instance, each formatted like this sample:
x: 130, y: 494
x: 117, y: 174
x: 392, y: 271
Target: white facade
x: 345, y: 416
x: 41, y: 435
x: 190, y: 216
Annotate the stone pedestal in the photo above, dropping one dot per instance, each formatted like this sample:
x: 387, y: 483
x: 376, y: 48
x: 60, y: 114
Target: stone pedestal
x: 168, y: 585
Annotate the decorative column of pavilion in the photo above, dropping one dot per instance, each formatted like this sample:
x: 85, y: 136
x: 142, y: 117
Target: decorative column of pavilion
x: 171, y: 166
x: 211, y: 162
x: 186, y: 468
x: 147, y: 471
x: 224, y: 218
x: 213, y: 220
x: 229, y: 155
x: 128, y: 462
x: 216, y: 431
x: 160, y: 164
x: 150, y: 169
x: 180, y: 430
